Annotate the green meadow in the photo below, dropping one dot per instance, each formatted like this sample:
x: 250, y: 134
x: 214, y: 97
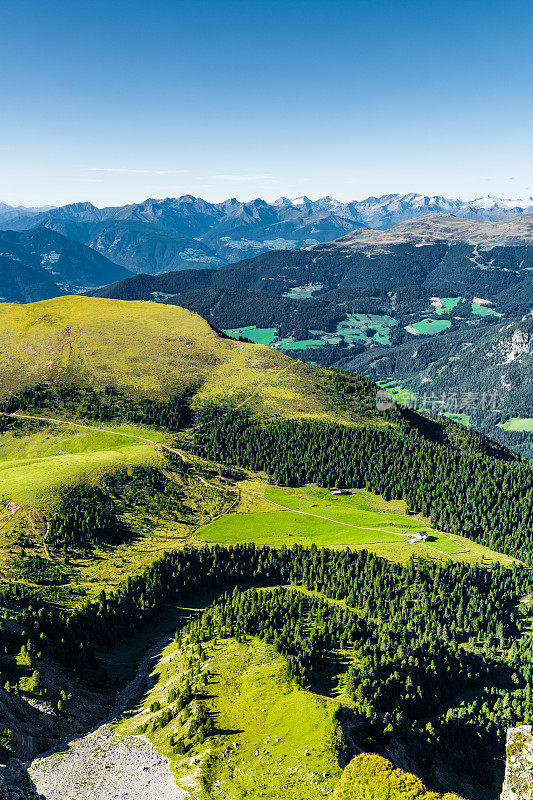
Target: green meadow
x: 271, y: 738
x: 274, y: 516
x: 448, y: 304
x: 428, y: 326
x: 256, y: 335
x: 33, y: 467
x: 482, y: 310
x: 524, y: 424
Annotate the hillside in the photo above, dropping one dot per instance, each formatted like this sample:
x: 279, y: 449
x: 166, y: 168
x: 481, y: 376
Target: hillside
x: 393, y: 305
x: 498, y: 365
x: 40, y: 263
x: 161, y: 480
x: 169, y: 350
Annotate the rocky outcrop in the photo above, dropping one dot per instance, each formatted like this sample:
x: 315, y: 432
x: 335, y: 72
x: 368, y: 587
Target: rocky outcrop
x: 519, y: 766
x: 16, y: 784
x: 372, y: 777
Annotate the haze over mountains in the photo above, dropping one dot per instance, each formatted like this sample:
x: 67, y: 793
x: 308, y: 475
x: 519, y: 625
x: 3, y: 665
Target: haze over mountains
x: 179, y: 233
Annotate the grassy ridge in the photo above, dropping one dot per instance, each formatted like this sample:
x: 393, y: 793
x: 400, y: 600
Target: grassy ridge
x: 70, y: 338
x: 271, y: 739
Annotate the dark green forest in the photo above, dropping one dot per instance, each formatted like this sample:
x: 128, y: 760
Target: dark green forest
x: 444, y: 472
x: 431, y: 654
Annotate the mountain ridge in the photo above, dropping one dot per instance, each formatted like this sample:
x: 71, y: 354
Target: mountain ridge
x: 41, y: 263
x: 202, y: 232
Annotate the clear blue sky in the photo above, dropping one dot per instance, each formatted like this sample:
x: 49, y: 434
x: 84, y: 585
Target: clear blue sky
x: 116, y: 101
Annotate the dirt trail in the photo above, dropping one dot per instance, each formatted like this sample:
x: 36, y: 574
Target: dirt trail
x: 361, y: 527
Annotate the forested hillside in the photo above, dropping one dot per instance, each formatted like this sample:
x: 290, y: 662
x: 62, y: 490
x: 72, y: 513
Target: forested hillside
x: 406, y: 306
x: 114, y: 461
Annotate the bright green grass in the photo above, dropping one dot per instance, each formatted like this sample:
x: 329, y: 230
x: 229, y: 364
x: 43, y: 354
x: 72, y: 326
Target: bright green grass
x: 482, y: 310
x: 272, y: 739
x: 357, y: 520
x: 448, y: 304
x: 428, y: 326
x: 305, y: 344
x: 149, y: 348
x: 518, y: 424
x: 256, y: 335
x: 32, y: 467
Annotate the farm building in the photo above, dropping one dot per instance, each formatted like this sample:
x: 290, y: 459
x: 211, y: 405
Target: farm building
x: 419, y: 536
x: 339, y: 492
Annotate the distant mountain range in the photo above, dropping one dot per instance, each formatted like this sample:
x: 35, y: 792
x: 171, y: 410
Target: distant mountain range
x: 39, y: 264
x: 188, y: 232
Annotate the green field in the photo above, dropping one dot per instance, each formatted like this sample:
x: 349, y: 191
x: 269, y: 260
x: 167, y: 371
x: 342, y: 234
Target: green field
x: 482, y: 310
x: 271, y: 739
x: 355, y: 328
x: 270, y: 515
x: 304, y: 344
x: 256, y: 335
x: 448, y: 304
x: 518, y: 424
x: 33, y: 467
x: 428, y: 326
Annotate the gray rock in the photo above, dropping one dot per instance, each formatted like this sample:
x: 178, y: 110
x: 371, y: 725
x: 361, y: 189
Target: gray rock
x: 16, y: 784
x: 518, y: 783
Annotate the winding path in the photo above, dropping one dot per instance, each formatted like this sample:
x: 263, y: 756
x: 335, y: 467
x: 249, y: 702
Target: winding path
x: 361, y: 527
x: 17, y: 415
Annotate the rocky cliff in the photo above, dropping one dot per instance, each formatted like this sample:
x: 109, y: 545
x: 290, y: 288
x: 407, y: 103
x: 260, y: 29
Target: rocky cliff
x: 519, y: 767
x: 16, y: 784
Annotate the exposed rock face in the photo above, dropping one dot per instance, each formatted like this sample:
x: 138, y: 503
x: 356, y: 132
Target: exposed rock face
x: 16, y: 784
x: 519, y: 767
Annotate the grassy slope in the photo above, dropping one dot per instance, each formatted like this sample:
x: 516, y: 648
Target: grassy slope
x: 380, y: 524
x: 167, y: 347
x: 34, y: 476
x: 34, y: 466
x: 272, y: 739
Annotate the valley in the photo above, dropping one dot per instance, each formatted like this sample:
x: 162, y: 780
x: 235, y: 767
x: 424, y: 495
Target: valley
x: 423, y: 302
x: 188, y: 529
x: 266, y: 428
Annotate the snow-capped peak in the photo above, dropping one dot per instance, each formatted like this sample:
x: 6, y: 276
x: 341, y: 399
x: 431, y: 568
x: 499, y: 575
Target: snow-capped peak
x: 494, y: 202
x: 301, y: 201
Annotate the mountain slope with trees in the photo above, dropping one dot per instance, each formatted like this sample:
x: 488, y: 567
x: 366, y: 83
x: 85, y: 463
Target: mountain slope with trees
x: 38, y: 264
x: 421, y: 655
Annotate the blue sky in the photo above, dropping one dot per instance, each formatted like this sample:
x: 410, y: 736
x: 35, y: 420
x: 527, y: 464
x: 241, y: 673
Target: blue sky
x: 117, y: 101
